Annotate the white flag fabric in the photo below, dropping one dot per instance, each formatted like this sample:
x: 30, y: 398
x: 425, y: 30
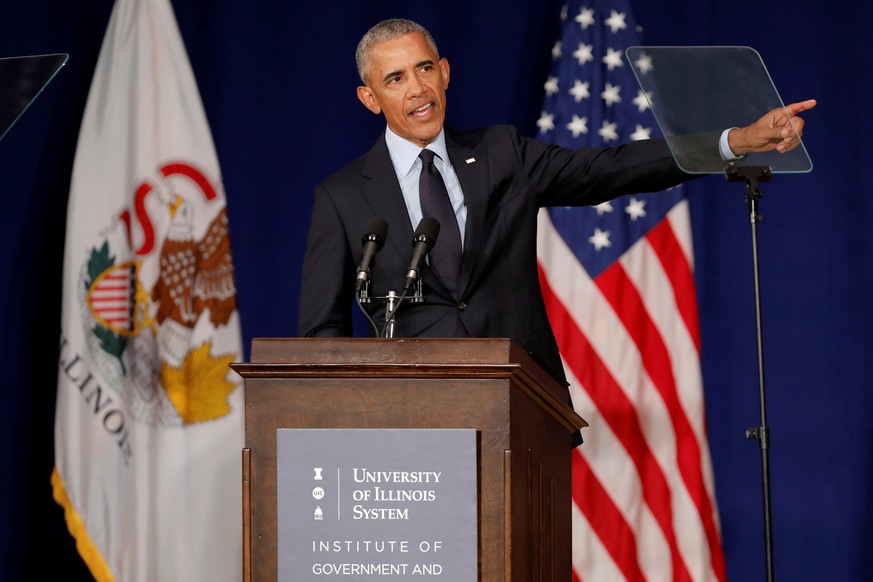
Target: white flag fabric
x: 149, y: 419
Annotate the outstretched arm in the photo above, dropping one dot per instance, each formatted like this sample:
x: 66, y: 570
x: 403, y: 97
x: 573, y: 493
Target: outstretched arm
x: 778, y: 130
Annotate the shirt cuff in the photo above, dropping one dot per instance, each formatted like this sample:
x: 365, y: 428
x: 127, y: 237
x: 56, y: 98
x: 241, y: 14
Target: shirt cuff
x: 724, y: 149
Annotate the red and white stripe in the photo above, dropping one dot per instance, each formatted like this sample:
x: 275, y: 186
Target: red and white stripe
x: 110, y: 298
x: 644, y: 504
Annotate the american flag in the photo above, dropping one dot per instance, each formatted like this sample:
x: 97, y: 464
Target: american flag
x: 619, y: 286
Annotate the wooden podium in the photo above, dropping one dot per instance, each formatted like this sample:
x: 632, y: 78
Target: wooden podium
x: 523, y: 421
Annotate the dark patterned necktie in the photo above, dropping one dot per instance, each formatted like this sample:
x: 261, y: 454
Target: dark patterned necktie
x: 445, y: 257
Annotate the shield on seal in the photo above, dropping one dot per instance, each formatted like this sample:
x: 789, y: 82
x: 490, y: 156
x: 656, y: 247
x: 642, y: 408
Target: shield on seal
x: 112, y: 298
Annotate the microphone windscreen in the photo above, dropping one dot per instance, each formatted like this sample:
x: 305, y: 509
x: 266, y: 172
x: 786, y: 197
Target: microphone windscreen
x: 427, y: 231
x: 376, y: 231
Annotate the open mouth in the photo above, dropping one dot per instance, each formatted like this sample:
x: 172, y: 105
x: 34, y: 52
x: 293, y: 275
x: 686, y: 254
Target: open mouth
x: 422, y: 111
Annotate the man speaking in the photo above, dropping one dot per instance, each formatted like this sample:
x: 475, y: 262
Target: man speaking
x: 483, y: 188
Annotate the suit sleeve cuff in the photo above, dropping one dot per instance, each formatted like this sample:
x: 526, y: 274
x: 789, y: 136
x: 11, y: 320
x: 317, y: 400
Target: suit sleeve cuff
x: 724, y: 149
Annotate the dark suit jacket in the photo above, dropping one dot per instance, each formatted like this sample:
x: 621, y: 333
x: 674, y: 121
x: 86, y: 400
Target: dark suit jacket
x: 506, y: 179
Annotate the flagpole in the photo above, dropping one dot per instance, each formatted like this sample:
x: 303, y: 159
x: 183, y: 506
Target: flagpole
x: 751, y: 175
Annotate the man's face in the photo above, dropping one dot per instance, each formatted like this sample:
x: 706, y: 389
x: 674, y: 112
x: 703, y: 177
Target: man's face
x: 408, y: 85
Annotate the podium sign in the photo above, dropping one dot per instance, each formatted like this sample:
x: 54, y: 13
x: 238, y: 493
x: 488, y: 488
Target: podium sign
x: 501, y: 509
x: 363, y: 504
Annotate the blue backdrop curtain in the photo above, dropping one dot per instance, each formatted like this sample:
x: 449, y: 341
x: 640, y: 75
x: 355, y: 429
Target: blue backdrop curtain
x: 277, y: 80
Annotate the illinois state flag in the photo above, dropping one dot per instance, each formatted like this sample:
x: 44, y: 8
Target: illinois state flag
x: 149, y: 420
x: 619, y: 287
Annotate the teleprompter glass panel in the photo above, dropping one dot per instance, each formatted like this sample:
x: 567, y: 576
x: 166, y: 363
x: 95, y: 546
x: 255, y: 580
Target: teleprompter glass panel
x: 21, y: 80
x: 698, y: 92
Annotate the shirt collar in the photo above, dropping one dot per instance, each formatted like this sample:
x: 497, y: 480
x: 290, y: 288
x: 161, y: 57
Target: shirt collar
x: 404, y: 153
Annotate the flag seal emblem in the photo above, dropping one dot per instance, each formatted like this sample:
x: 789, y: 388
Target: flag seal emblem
x: 144, y: 316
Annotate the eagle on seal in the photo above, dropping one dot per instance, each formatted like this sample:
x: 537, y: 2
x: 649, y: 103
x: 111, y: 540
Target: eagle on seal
x: 194, y: 275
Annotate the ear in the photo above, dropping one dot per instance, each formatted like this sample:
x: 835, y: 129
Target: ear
x: 444, y: 67
x: 366, y: 96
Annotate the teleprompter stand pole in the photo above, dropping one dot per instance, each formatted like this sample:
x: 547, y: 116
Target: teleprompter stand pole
x: 751, y: 175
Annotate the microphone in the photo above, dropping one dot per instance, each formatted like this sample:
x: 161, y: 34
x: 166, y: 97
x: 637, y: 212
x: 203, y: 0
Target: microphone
x: 422, y: 241
x: 373, y: 241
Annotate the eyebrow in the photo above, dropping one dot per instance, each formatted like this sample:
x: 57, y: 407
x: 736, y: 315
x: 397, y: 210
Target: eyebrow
x: 418, y: 65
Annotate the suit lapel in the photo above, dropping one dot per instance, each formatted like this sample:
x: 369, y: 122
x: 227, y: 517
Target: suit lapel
x: 382, y: 191
x: 469, y: 163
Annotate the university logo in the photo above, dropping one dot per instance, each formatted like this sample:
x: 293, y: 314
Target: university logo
x: 154, y: 293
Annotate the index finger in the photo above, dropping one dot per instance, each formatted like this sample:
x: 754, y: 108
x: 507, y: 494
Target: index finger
x: 795, y: 108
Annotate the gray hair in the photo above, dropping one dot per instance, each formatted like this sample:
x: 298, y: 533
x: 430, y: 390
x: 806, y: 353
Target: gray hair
x: 383, y: 32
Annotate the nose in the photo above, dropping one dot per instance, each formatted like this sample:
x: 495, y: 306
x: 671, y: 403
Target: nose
x: 416, y: 87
